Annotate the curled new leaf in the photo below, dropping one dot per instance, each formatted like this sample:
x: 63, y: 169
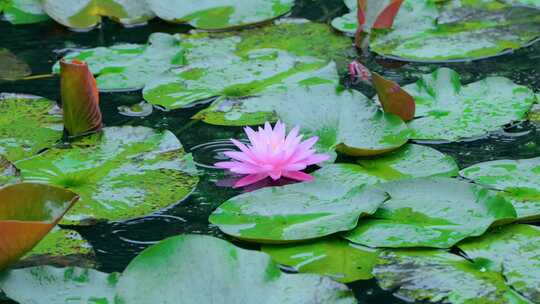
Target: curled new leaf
x: 385, y: 19
x: 393, y: 98
x: 28, y: 211
x: 80, y: 98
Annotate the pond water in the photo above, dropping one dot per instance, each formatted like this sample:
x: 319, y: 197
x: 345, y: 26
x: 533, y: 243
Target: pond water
x: 40, y: 45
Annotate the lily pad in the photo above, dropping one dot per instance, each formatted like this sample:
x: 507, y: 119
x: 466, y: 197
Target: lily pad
x: 408, y: 162
x: 28, y: 124
x: 437, y: 276
x: 248, y: 64
x: 22, y: 11
x: 86, y: 14
x: 344, y: 120
x: 220, y: 14
x: 12, y: 68
x: 520, y: 179
x: 120, y: 173
x: 28, y: 211
x: 513, y: 251
x: 60, y: 248
x: 447, y: 110
x: 125, y: 67
x: 455, y: 30
x: 179, y: 269
x: 50, y: 285
x: 342, y: 261
x: 331, y: 203
x: 431, y: 212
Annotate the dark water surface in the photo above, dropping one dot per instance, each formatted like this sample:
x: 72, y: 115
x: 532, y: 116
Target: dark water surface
x: 40, y: 45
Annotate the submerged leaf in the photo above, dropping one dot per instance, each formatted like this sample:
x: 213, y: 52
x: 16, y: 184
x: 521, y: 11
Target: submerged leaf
x: 12, y: 68
x: 28, y: 211
x: 514, y: 251
x: 80, y: 99
x: 120, y: 173
x: 437, y: 276
x: 220, y: 14
x: 431, y: 212
x: 342, y: 261
x: 519, y: 179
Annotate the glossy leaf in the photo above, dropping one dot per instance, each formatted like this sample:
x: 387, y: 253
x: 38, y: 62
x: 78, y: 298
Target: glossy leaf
x: 120, y: 173
x: 220, y: 14
x: 28, y: 124
x: 179, y: 269
x: 22, y: 11
x: 250, y: 64
x: 331, y: 203
x: 80, y: 98
x: 125, y: 67
x: 28, y: 211
x: 457, y: 30
x: 529, y: 3
x: 513, y: 251
x: 448, y: 110
x: 518, y: 178
x: 437, y: 276
x: 338, y: 259
x: 50, y: 285
x: 431, y: 212
x: 11, y: 67
x: 86, y: 14
x: 393, y: 98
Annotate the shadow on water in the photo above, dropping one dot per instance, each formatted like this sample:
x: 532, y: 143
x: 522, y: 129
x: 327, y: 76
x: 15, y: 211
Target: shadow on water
x: 116, y: 244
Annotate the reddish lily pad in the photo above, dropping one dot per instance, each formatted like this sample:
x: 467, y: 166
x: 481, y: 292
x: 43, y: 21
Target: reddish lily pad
x: 28, y: 211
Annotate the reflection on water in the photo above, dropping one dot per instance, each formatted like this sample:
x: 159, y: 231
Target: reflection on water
x: 117, y: 243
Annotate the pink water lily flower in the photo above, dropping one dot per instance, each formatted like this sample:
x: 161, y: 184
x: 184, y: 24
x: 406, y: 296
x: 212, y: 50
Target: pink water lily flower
x: 272, y: 153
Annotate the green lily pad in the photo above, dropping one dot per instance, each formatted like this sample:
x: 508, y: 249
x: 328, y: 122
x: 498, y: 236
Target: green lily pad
x: 86, y: 14
x: 447, y: 110
x: 50, y: 285
x: 22, y: 11
x: 28, y: 124
x: 431, y: 212
x: 12, y: 68
x: 253, y: 63
x: 437, y: 276
x: 220, y: 14
x: 8, y: 172
x: 420, y: 12
x: 344, y: 120
x: 518, y: 178
x: 455, y: 30
x: 125, y: 67
x: 408, y: 162
x: 120, y: 173
x: 530, y: 3
x: 342, y: 261
x: 179, y: 270
x: 513, y: 251
x: 60, y: 247
x: 331, y: 203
